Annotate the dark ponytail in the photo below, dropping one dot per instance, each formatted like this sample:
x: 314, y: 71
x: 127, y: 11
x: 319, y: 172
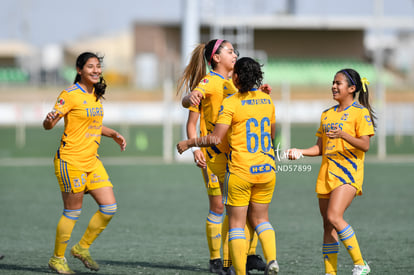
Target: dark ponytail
x: 354, y: 78
x: 100, y: 87
x: 249, y: 74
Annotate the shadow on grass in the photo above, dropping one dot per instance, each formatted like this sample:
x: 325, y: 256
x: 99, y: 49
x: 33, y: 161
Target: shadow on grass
x: 11, y: 268
x: 161, y: 266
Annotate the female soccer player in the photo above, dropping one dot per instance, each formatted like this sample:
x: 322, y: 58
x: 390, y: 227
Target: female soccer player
x: 343, y: 138
x: 207, y: 94
x: 248, y: 120
x: 77, y: 165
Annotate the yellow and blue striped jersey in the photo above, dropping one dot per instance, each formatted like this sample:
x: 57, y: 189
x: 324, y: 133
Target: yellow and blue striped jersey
x: 250, y: 116
x: 83, y: 127
x: 214, y: 88
x: 342, y: 162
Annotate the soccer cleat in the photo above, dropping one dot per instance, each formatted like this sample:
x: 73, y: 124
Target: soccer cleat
x: 361, y: 269
x: 60, y: 265
x: 83, y: 254
x: 272, y: 268
x: 216, y: 266
x: 232, y: 271
x: 255, y: 262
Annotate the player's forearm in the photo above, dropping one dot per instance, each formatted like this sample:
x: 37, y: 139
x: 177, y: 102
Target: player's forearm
x: 361, y: 143
x: 312, y: 151
x: 205, y: 141
x: 108, y: 132
x: 191, y: 131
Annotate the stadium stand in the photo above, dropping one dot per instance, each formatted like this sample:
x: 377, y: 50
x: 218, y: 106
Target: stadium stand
x: 302, y: 71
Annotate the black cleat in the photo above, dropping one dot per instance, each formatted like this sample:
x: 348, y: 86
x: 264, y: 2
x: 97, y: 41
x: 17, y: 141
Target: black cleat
x: 216, y: 266
x: 255, y: 262
x: 232, y: 271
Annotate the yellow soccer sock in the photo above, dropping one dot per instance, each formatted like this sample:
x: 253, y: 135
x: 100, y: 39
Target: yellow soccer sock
x: 213, y: 233
x: 267, y: 238
x: 225, y: 242
x: 330, y: 257
x: 348, y: 238
x: 252, y: 239
x: 238, y: 249
x: 64, y: 230
x: 97, y: 224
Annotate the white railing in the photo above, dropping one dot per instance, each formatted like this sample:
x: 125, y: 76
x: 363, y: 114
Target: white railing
x: 399, y: 117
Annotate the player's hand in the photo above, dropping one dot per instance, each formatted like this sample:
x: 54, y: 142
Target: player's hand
x: 195, y: 98
x: 294, y: 153
x: 121, y: 141
x: 334, y: 133
x: 51, y: 119
x: 182, y: 146
x: 266, y: 88
x: 51, y: 116
x: 199, y: 159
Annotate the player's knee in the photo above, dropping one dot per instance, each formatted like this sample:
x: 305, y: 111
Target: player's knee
x: 333, y: 219
x: 219, y: 209
x: 109, y: 209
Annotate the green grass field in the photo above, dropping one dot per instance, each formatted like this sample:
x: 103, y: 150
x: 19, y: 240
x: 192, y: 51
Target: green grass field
x: 160, y: 223
x: 159, y: 226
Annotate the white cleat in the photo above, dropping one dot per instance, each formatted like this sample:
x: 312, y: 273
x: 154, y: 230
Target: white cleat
x: 272, y: 268
x: 361, y: 269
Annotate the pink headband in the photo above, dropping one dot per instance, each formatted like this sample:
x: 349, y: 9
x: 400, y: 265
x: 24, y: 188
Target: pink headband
x: 216, y: 46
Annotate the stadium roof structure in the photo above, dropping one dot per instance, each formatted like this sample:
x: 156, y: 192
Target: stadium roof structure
x: 13, y: 48
x: 284, y: 21
x: 313, y: 22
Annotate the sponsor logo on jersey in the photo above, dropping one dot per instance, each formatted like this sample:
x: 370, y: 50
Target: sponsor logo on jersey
x: 259, y: 169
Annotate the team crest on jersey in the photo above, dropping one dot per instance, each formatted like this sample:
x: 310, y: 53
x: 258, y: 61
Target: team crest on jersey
x: 345, y: 117
x: 368, y: 119
x: 76, y: 182
x: 60, y: 101
x: 221, y: 109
